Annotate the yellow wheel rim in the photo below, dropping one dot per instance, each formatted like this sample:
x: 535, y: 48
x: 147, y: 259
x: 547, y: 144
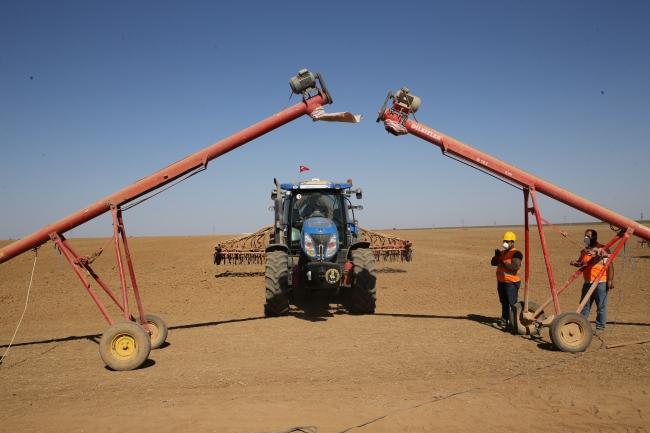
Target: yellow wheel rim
x: 572, y: 334
x: 123, y: 346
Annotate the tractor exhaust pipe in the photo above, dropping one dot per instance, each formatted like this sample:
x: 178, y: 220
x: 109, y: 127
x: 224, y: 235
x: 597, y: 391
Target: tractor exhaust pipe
x: 279, y: 235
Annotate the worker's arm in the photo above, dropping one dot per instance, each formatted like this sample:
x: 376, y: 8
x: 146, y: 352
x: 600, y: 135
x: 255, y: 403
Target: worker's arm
x: 578, y: 263
x: 495, y: 260
x: 515, y: 262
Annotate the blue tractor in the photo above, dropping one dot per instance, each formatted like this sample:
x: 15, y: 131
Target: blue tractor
x: 314, y: 246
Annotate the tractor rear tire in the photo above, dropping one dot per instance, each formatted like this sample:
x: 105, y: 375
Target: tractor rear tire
x: 364, y: 280
x: 277, y: 283
x: 124, y: 346
x: 518, y: 324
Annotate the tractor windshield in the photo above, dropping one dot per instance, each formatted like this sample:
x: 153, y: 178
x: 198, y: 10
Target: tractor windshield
x: 317, y: 204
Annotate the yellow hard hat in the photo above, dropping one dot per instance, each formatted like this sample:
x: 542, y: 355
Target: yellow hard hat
x: 509, y: 236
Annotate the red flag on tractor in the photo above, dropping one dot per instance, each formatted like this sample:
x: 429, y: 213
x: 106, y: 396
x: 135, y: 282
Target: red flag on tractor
x: 303, y: 168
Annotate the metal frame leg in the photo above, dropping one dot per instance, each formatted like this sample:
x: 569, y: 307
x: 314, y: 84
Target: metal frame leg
x: 58, y: 240
x: 547, y: 259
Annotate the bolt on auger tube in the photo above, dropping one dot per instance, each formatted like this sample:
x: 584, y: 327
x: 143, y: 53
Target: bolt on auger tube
x: 313, y: 98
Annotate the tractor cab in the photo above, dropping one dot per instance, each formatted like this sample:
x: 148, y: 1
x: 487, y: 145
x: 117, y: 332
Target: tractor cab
x: 318, y: 218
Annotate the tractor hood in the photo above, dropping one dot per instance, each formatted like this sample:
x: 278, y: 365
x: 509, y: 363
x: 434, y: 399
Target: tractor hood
x: 319, y: 238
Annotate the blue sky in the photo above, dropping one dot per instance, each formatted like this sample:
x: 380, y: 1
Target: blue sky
x: 96, y: 95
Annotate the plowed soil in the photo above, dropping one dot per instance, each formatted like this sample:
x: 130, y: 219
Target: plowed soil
x: 429, y: 359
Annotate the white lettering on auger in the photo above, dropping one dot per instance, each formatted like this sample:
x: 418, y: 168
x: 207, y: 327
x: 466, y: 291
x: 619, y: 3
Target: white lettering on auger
x: 426, y: 131
x: 482, y: 161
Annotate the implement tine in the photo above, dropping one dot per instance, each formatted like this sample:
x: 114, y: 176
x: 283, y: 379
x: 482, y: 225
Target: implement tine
x: 387, y: 248
x: 244, y: 250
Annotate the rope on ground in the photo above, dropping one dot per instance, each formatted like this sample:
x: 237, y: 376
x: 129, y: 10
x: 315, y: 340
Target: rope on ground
x: 445, y: 397
x: 25, y: 309
x: 304, y: 429
x: 618, y: 304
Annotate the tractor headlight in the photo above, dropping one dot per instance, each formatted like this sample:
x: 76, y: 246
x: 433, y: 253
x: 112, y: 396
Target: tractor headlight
x: 332, y: 246
x: 310, y: 250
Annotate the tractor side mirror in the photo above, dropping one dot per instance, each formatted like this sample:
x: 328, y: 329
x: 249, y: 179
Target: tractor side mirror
x: 274, y: 194
x: 359, y: 193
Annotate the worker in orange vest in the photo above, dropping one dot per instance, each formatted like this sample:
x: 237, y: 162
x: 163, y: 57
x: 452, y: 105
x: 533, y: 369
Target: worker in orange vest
x: 508, y: 263
x: 590, y: 273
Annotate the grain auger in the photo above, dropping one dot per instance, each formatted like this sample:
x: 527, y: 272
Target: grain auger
x: 569, y: 331
x: 127, y: 342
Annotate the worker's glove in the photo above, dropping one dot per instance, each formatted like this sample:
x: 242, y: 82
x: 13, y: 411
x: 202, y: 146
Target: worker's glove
x: 497, y: 253
x: 610, y: 285
x: 500, y: 261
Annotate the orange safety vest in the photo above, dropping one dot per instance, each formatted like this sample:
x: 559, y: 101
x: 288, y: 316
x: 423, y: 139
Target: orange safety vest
x: 591, y: 271
x: 504, y: 274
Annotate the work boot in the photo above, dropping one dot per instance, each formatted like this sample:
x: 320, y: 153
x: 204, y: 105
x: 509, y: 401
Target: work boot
x: 599, y: 332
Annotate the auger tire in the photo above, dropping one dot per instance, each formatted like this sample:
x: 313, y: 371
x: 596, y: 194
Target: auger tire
x: 158, y: 329
x: 364, y: 280
x: 124, y: 346
x: 518, y: 324
x: 571, y: 332
x: 277, y: 293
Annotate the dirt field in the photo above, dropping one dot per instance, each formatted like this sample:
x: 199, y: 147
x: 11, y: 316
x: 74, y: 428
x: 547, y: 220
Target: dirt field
x: 430, y: 359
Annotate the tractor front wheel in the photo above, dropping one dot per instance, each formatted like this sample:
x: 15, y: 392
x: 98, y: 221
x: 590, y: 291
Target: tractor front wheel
x: 277, y: 293
x: 364, y: 292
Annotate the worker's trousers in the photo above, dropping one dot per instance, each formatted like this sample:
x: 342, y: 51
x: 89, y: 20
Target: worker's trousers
x: 600, y: 298
x: 508, y: 296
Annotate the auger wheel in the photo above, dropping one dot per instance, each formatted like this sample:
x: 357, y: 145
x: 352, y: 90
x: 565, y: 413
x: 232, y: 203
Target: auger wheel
x: 518, y: 322
x: 364, y: 291
x: 571, y: 332
x: 277, y: 294
x: 158, y: 329
x: 124, y: 346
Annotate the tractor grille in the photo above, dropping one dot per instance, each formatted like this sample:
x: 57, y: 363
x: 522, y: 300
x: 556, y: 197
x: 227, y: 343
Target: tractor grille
x: 320, y: 240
